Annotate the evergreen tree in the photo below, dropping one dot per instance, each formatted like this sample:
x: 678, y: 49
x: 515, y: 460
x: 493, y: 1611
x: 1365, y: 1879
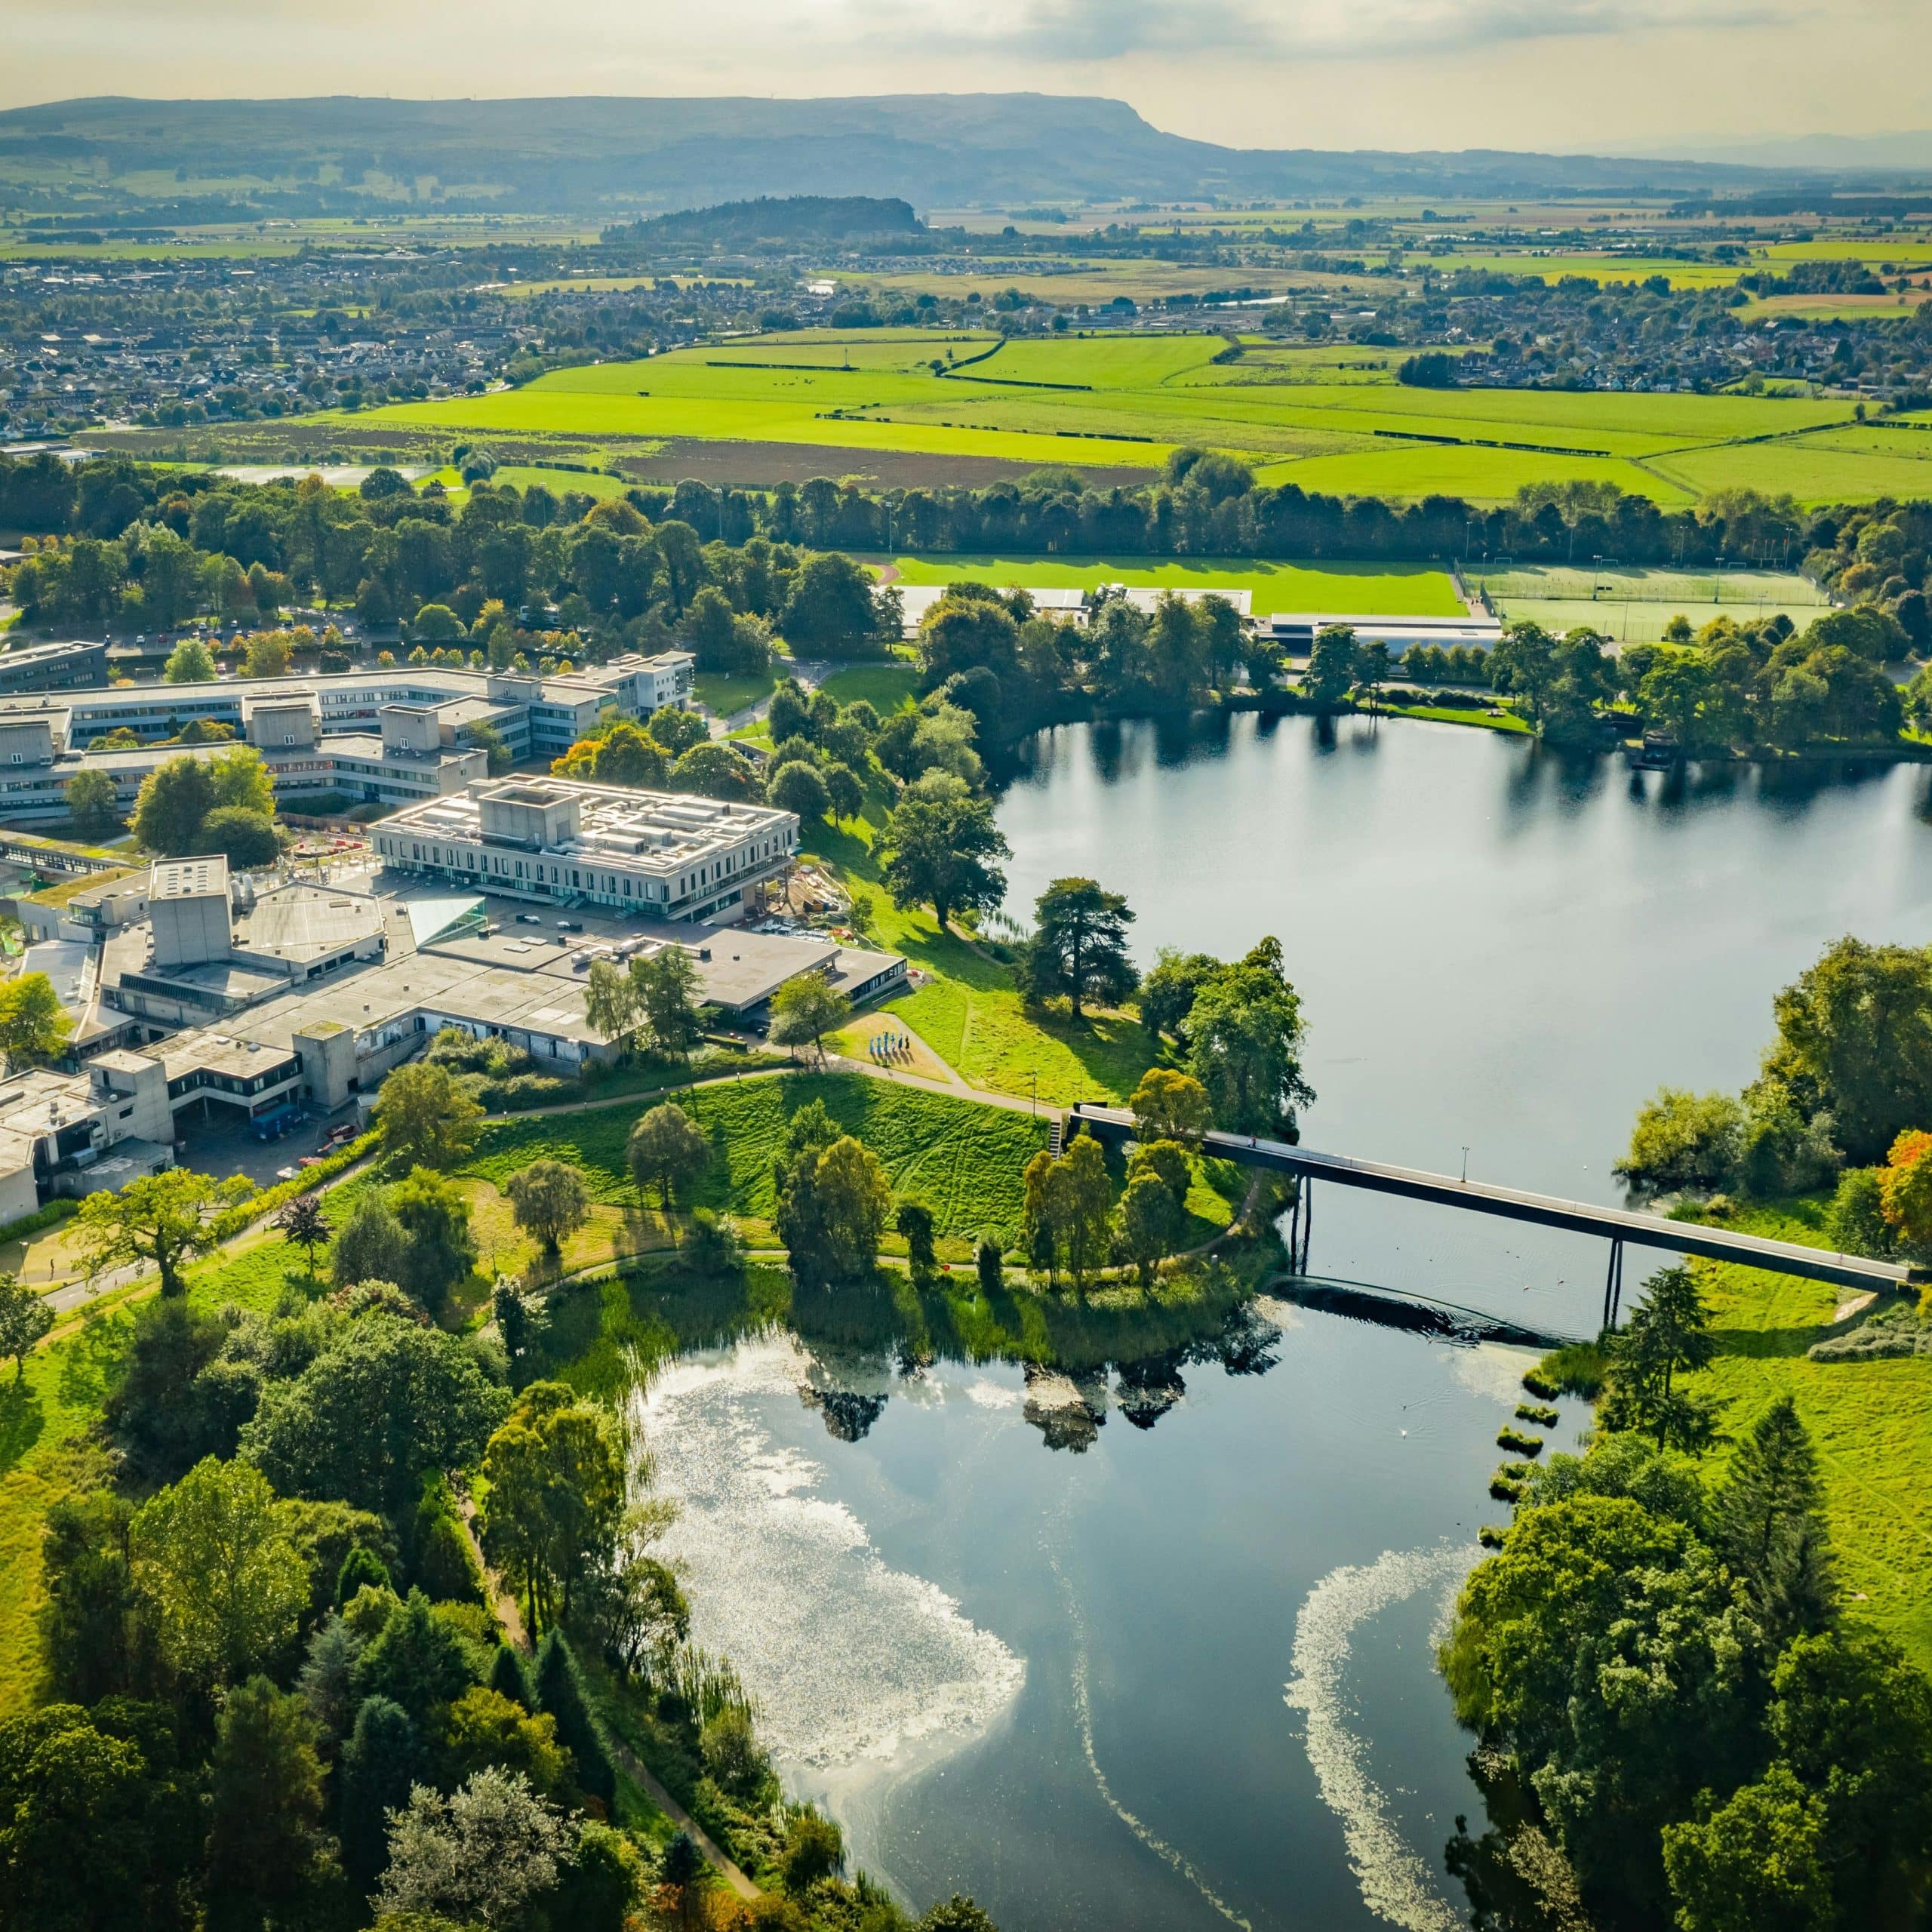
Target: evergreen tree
x: 1079, y: 947
x: 510, y: 1677
x: 1769, y: 1525
x: 559, y: 1693
x: 382, y: 1760
x: 1668, y: 1333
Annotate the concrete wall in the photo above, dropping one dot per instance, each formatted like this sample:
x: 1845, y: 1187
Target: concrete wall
x: 189, y: 930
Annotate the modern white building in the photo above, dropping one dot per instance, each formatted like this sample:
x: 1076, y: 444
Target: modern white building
x: 392, y: 737
x: 665, y: 854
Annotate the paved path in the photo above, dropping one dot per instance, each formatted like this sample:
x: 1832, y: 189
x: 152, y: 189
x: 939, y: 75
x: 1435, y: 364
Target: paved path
x: 509, y: 1615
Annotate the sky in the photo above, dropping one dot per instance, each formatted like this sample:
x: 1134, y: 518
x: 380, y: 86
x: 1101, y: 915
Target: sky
x: 1573, y: 76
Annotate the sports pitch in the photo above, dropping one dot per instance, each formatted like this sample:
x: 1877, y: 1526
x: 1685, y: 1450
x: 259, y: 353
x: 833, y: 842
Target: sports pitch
x: 1330, y: 419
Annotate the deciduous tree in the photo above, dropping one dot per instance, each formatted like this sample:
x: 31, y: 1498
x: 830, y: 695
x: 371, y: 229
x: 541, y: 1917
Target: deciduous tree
x: 942, y: 847
x: 215, y: 1558
x: 666, y: 1150
x: 425, y: 1119
x: 162, y: 1218
x: 550, y: 1201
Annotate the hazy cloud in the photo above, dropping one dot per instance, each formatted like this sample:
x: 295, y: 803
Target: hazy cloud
x: 1082, y: 31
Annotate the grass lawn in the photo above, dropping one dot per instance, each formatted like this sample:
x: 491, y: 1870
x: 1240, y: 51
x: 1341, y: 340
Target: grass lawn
x: 886, y: 688
x: 724, y: 695
x: 1872, y: 1422
x: 963, y: 1160
x: 1366, y: 589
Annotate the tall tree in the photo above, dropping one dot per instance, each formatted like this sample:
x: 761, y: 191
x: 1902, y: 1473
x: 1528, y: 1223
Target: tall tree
x: 1079, y: 945
x: 1668, y: 1334
x: 665, y: 989
x: 942, y: 847
x: 269, y: 1856
x: 484, y: 1855
x: 833, y: 1207
x: 1244, y: 1032
x: 190, y: 662
x: 805, y: 1010
x: 216, y: 1559
x: 1332, y: 665
x: 161, y: 1218
x: 174, y: 798
x: 434, y: 1213
x: 668, y: 1149
x: 24, y: 1319
x: 1768, y: 1521
x: 425, y: 1119
x: 1170, y: 1106
x: 93, y: 803
x: 550, y: 1201
x: 611, y: 1002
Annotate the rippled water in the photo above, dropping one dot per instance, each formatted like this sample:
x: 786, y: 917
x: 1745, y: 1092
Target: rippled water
x: 1102, y: 1674
x: 1131, y: 1658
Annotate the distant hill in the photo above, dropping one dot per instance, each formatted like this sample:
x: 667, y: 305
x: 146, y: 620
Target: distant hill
x: 623, y: 157
x: 787, y: 218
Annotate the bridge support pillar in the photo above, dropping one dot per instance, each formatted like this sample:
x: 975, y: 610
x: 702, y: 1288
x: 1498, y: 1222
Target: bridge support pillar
x: 1612, y: 1287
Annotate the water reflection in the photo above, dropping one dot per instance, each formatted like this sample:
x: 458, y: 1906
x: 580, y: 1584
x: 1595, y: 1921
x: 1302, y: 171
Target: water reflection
x: 1499, y: 945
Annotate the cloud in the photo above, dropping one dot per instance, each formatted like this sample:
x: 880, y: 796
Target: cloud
x: 1074, y: 31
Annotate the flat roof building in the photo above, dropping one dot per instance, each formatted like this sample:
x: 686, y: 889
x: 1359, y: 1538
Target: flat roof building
x: 667, y: 855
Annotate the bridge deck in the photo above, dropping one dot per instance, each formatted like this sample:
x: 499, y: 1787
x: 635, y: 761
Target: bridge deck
x: 1785, y: 1257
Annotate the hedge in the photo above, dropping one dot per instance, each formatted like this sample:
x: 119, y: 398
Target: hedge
x: 54, y: 1212
x: 244, y: 1213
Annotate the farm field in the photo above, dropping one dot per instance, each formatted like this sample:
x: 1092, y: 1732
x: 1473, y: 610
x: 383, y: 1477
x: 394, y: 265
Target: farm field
x: 1369, y: 589
x: 1327, y: 418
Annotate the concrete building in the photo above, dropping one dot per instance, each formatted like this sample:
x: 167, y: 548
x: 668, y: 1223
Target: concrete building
x: 53, y: 667
x: 392, y: 737
x: 665, y: 854
x: 1295, y: 632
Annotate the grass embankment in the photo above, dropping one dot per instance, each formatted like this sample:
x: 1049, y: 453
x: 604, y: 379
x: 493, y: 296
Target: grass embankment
x: 963, y: 1160
x: 970, y: 1010
x: 1871, y: 1420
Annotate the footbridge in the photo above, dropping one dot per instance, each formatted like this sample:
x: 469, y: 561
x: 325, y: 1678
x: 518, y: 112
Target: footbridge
x: 1619, y: 1225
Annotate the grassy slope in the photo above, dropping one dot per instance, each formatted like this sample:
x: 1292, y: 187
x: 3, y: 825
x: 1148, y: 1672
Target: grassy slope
x: 969, y: 1011
x: 963, y: 1160
x: 59, y: 1396
x: 1872, y: 1422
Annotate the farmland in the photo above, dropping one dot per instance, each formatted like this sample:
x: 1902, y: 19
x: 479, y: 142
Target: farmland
x: 1329, y: 420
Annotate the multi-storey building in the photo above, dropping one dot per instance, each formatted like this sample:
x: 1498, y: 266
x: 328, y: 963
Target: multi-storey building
x: 392, y: 737
x: 666, y: 854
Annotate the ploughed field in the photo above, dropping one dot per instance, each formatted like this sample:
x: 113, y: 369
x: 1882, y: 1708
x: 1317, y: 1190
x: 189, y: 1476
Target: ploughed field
x: 1329, y: 418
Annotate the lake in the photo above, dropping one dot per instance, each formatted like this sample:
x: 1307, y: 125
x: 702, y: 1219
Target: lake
x: 1157, y: 1654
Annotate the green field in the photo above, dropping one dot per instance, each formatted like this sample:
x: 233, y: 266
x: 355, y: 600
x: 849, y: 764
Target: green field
x: 962, y: 1159
x: 1870, y: 1421
x: 1381, y: 590
x: 1331, y: 419
x: 1633, y: 606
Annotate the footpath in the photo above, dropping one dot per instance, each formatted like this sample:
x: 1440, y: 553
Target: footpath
x: 509, y: 1617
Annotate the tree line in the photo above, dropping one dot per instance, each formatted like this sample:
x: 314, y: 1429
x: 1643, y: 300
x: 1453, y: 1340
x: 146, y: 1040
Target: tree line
x: 1659, y: 1656
x: 274, y: 1689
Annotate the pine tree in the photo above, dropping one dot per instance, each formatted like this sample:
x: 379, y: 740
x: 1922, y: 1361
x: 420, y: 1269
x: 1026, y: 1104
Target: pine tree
x: 559, y: 1693
x: 510, y: 1677
x: 1770, y: 1525
x: 1668, y: 1333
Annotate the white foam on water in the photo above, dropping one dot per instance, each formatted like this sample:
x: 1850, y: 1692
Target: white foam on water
x: 849, y: 1660
x: 1395, y: 1883
x: 1083, y: 1712
x: 1492, y: 1369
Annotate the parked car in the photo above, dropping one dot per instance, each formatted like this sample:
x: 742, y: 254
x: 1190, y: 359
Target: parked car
x: 528, y: 919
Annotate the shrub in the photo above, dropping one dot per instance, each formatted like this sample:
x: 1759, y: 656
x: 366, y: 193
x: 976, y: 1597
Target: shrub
x: 1855, y: 1223
x: 1538, y: 1412
x: 1514, y: 1439
x: 1577, y: 1368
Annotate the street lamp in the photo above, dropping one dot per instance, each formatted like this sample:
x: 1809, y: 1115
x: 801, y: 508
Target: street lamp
x: 1465, y: 1167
